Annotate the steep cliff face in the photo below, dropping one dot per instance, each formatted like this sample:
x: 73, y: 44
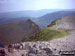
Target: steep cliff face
x: 16, y: 31
x: 64, y: 23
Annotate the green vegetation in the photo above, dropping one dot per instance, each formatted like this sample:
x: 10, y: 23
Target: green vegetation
x: 53, y: 23
x: 47, y: 34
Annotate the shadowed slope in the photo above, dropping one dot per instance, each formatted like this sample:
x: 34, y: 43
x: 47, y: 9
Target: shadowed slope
x: 16, y: 31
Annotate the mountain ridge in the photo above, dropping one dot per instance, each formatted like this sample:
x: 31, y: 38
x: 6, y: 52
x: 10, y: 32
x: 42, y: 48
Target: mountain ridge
x: 48, y: 18
x: 42, y: 21
x: 16, y: 31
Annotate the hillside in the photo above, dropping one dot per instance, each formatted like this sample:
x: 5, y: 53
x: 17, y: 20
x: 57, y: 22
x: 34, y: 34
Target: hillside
x: 48, y: 34
x: 67, y: 23
x: 60, y: 34
x: 57, y: 29
x: 68, y: 42
x: 16, y: 31
x: 48, y: 18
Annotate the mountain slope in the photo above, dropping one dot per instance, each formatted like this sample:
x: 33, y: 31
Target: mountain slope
x: 63, y: 27
x: 16, y: 31
x: 57, y: 29
x: 48, y: 34
x: 48, y: 18
x: 66, y: 43
x: 64, y: 23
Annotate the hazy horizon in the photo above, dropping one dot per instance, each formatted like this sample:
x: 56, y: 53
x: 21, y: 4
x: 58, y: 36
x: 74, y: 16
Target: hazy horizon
x: 22, y: 5
x: 34, y: 10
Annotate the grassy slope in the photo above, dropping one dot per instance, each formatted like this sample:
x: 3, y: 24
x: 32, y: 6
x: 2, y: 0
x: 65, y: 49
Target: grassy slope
x: 47, y: 34
x: 50, y: 33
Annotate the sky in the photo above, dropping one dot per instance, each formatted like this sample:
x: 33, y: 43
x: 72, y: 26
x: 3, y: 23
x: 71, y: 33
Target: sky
x: 18, y: 5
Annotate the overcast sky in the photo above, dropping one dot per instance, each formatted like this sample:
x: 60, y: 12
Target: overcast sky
x: 17, y: 5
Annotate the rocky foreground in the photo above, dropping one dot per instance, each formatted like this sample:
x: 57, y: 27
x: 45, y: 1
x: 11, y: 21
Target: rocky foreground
x: 30, y: 49
x: 50, y: 48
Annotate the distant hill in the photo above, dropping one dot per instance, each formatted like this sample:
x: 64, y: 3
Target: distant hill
x: 16, y: 31
x: 32, y: 14
x: 28, y: 13
x: 40, y: 17
x: 48, y: 18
